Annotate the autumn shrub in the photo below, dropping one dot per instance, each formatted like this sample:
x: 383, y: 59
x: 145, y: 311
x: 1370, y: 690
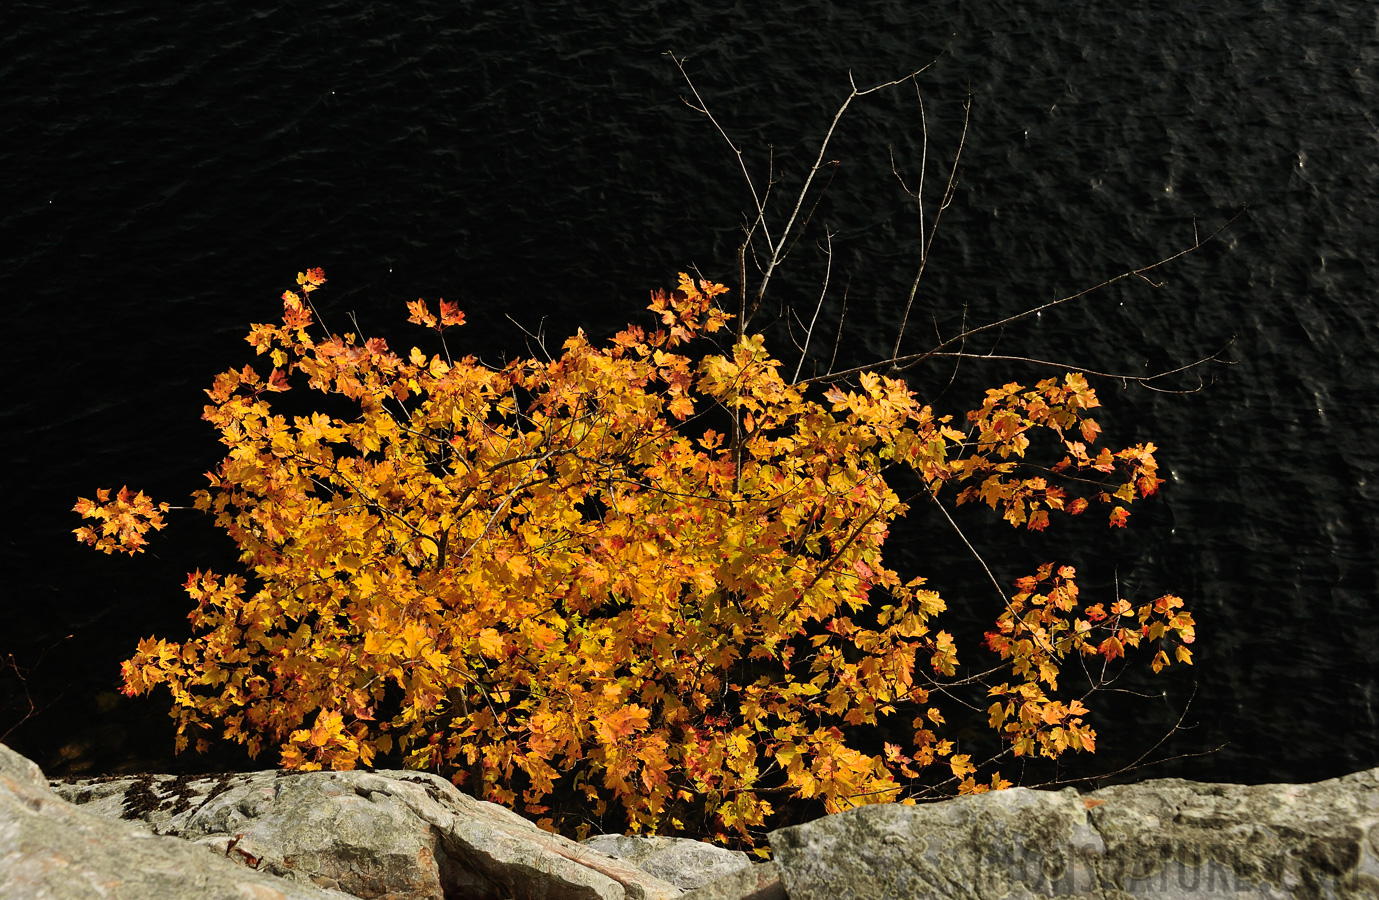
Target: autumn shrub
x: 641, y: 575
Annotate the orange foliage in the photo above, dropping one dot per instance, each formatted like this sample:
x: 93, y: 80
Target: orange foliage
x: 124, y: 520
x: 647, y: 581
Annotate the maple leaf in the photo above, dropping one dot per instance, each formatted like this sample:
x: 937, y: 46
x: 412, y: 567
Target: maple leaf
x: 490, y: 642
x: 420, y: 315
x: 450, y: 314
x: 681, y: 407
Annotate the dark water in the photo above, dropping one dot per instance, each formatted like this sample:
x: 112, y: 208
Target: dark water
x: 166, y: 172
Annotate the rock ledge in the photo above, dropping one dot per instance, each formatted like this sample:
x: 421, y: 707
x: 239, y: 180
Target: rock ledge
x: 395, y: 835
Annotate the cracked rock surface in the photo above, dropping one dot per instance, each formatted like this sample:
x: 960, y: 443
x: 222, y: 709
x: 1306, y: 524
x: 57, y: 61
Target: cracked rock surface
x: 396, y: 835
x: 54, y: 850
x: 1159, y: 840
x: 385, y: 835
x: 680, y: 861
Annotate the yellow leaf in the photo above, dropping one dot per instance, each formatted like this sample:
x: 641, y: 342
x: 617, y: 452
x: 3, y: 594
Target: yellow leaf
x: 961, y: 765
x: 490, y: 642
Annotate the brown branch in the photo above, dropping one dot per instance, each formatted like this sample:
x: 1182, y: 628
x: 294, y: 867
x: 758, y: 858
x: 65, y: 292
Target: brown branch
x: 818, y: 163
x: 828, y: 270
x: 948, y: 191
x: 989, y: 574
x: 34, y: 708
x: 1141, y: 380
x: 1138, y: 762
x: 777, y: 247
x: 911, y: 360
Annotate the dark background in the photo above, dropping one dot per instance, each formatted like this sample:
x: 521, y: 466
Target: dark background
x: 166, y: 173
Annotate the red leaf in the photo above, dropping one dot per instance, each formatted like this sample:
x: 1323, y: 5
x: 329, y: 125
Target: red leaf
x: 451, y: 314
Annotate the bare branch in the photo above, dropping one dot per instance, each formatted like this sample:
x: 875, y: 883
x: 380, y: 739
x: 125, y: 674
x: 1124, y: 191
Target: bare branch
x: 927, y: 241
x: 908, y: 361
x: 22, y: 674
x: 799, y: 232
x: 828, y: 270
x: 1000, y: 591
x: 957, y: 363
x: 777, y: 247
x: 838, y: 338
x: 758, y: 201
x: 539, y: 337
x: 818, y: 163
x: 1139, y: 762
x: 1141, y: 380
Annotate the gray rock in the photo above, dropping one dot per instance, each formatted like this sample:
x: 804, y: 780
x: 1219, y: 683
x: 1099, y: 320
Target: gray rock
x: 756, y: 882
x: 682, y: 862
x: 969, y: 847
x: 53, y: 850
x: 397, y: 835
x: 387, y: 835
x: 1159, y: 840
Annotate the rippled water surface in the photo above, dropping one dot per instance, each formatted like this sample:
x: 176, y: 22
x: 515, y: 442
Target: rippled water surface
x: 165, y: 172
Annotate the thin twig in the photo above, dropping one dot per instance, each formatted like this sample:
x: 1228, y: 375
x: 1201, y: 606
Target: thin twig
x: 828, y: 270
x: 927, y: 241
x: 818, y: 163
x: 910, y: 360
x: 34, y: 708
x: 838, y: 338
x: 539, y: 337
x: 703, y: 107
x: 957, y: 363
x: 1142, y: 380
x: 777, y: 247
x: 1000, y: 591
x: 1139, y: 763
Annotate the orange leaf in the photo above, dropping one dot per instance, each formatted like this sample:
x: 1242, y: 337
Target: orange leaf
x: 451, y: 314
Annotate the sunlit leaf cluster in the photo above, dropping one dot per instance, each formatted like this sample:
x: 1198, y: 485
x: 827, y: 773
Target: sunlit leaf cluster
x: 639, y: 581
